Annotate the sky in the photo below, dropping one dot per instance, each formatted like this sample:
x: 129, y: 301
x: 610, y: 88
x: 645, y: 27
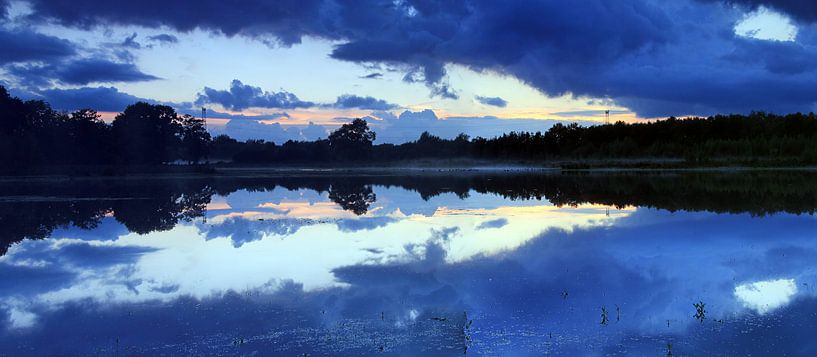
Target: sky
x: 297, y: 69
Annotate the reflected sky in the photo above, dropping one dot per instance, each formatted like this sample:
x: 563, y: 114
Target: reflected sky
x: 291, y: 271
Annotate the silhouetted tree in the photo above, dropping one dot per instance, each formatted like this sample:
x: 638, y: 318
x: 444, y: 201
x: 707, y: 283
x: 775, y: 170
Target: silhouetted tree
x: 224, y: 147
x: 352, y: 140
x: 195, y: 139
x: 89, y: 138
x: 13, y: 115
x: 30, y: 132
x: 147, y: 134
x: 33, y: 134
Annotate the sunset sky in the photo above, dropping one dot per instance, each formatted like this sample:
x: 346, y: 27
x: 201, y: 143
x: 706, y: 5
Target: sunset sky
x: 267, y: 69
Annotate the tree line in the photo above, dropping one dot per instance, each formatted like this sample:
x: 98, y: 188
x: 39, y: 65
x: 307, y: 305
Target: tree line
x: 755, y: 137
x: 32, y: 133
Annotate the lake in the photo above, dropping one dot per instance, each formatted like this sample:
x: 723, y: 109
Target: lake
x: 490, y: 263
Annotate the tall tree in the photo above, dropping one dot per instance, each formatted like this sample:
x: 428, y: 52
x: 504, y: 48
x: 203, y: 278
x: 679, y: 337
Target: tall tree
x: 352, y: 141
x: 88, y: 138
x: 12, y: 114
x: 195, y: 139
x: 148, y: 134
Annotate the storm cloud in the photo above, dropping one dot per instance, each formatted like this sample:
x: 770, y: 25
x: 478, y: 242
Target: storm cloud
x: 347, y: 101
x: 164, y: 38
x: 106, y: 99
x: 242, y: 96
x: 80, y: 72
x: 657, y: 58
x: 23, y: 45
x: 492, y: 101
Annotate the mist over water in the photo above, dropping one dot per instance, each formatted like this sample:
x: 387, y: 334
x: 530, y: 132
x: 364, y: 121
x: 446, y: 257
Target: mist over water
x: 483, y: 263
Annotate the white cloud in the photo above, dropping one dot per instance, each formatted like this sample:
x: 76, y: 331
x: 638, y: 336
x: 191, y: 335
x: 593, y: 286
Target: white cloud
x: 765, y: 24
x: 19, y: 319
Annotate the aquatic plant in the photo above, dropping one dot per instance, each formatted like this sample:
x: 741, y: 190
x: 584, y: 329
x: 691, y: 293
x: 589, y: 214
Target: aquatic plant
x: 700, y: 311
x: 604, y: 318
x: 466, y: 332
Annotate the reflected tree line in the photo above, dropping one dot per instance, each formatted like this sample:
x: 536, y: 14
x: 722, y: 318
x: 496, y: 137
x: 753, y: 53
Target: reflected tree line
x: 32, y: 209
x: 33, y: 134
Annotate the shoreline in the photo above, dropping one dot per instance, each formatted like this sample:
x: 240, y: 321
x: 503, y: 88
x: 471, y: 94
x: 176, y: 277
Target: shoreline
x: 218, y: 170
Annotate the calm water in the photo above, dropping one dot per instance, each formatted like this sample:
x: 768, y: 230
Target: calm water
x: 434, y: 264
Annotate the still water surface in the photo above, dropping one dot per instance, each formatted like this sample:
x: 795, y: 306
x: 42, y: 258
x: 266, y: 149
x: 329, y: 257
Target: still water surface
x: 432, y: 264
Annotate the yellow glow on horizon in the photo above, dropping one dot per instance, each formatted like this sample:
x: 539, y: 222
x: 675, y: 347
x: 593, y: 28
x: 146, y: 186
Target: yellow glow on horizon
x: 107, y: 116
x: 328, y: 117
x: 218, y: 206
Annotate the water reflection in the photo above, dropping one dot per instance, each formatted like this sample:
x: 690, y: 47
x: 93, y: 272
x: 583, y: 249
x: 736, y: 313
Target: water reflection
x: 510, y: 264
x: 766, y: 296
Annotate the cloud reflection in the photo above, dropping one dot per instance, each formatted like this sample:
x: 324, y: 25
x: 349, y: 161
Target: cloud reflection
x: 765, y: 296
x: 399, y: 278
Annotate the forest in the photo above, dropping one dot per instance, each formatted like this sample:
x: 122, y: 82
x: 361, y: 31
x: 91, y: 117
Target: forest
x: 746, y: 139
x: 33, y: 134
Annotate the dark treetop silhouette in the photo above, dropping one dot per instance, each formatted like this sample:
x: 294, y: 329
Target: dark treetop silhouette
x: 32, y: 134
x: 353, y: 140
